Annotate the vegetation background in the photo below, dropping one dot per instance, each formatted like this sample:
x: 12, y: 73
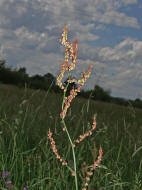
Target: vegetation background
x: 27, y: 114
x: 20, y: 78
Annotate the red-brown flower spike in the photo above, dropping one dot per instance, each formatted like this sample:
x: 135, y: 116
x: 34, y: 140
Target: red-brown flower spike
x: 88, y: 133
x: 64, y: 35
x: 97, y: 162
x: 54, y: 149
x: 68, y: 64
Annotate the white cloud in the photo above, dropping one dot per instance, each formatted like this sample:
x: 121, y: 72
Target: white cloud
x: 65, y: 11
x: 44, y: 63
x: 130, y: 1
x: 1, y: 2
x: 86, y: 37
x: 27, y: 38
x: 100, y: 27
x: 4, y: 21
x: 118, y: 68
x: 20, y: 9
x: 137, y: 46
x: 104, y: 11
x: 30, y: 32
x: 126, y: 82
x: 127, y: 50
x: 119, y: 19
x: 2, y: 53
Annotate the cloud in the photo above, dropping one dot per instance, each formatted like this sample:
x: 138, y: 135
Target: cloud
x: 104, y: 11
x: 2, y: 55
x: 65, y: 11
x: 130, y: 1
x: 31, y: 39
x: 118, y: 68
x: 119, y: 19
x: 128, y: 50
x: 30, y: 31
x: 4, y: 21
x: 46, y: 63
x: 125, y: 81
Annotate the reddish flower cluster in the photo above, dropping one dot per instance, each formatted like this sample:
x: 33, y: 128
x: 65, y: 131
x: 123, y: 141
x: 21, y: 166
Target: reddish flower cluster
x: 93, y: 167
x: 54, y: 149
x: 70, y: 53
x: 97, y: 162
x: 88, y: 133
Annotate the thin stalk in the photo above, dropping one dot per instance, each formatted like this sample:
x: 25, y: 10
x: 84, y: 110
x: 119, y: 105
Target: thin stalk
x: 73, y: 152
x: 63, y: 102
x: 74, y: 157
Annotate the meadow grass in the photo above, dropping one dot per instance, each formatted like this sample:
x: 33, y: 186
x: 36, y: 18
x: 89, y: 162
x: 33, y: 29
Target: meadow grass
x: 24, y: 145
x: 27, y: 118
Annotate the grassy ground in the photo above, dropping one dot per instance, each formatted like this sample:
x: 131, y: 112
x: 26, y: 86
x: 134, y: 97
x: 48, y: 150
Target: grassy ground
x: 25, y: 117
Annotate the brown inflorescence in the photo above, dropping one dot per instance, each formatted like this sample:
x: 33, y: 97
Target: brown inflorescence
x: 97, y: 162
x: 71, y: 54
x: 88, y: 133
x: 93, y: 167
x: 54, y: 149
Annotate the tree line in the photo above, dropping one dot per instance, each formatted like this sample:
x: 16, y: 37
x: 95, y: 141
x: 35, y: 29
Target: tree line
x: 19, y: 77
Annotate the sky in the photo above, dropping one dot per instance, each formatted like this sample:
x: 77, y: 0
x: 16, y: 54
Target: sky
x: 109, y: 33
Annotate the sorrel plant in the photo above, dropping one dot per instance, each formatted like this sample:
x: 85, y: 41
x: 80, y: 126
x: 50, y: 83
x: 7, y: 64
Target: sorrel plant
x: 71, y: 55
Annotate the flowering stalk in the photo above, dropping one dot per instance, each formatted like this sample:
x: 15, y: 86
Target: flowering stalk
x: 88, y: 133
x: 53, y: 146
x: 71, y: 54
x: 89, y: 172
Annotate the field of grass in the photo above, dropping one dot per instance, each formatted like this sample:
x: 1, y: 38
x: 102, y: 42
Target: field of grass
x: 25, y: 117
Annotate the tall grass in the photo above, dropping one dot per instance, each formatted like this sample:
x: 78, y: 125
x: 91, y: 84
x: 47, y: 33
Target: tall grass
x: 26, y: 153
x: 25, y: 118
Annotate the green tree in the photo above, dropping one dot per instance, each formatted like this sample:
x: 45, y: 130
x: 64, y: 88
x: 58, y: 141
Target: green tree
x: 50, y: 78
x: 2, y: 63
x: 101, y: 94
x: 138, y: 103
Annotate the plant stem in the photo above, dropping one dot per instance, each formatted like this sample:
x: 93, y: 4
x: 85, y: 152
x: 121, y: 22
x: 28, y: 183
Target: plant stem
x: 73, y: 152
